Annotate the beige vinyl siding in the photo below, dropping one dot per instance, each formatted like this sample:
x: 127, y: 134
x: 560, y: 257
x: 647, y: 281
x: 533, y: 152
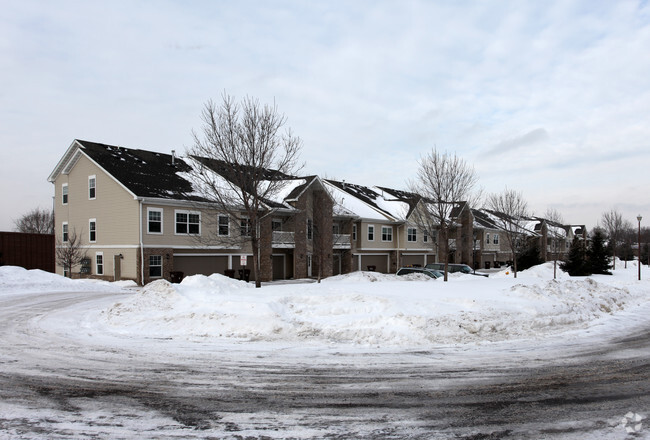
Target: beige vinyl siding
x: 114, y: 209
x: 128, y: 265
x: 377, y: 243
x: 208, y: 237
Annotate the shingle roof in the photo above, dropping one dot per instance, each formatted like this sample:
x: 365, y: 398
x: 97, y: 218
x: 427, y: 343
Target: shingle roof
x: 144, y: 173
x: 363, y: 193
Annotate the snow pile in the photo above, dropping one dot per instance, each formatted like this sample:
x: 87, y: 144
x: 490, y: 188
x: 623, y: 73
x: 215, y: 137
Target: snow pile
x: 15, y: 280
x: 370, y: 308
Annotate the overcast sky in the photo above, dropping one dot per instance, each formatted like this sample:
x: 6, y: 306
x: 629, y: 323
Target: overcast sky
x: 551, y: 98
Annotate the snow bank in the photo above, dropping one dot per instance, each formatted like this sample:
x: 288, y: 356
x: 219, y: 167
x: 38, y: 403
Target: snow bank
x: 14, y: 280
x: 376, y: 309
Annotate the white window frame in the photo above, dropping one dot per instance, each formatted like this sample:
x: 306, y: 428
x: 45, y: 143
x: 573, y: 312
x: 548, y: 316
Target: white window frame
x: 386, y: 231
x: 64, y: 232
x: 227, y: 225
x: 496, y: 239
x: 487, y: 238
x: 99, y: 265
x: 187, y: 213
x: 92, y: 230
x: 354, y: 232
x: 411, y: 234
x: 161, y: 212
x: 64, y: 194
x: 92, y: 179
x: 245, y: 227
x: 425, y: 237
x: 274, y: 222
x: 370, y: 232
x: 156, y: 265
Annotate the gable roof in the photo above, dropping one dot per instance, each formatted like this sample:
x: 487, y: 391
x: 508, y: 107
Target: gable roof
x: 150, y: 174
x: 144, y: 173
x: 367, y: 203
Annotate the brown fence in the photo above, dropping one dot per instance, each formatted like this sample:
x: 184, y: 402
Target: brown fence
x: 31, y: 251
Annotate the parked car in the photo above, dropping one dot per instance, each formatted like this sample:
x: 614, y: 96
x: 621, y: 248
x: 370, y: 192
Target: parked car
x: 453, y: 268
x: 435, y: 274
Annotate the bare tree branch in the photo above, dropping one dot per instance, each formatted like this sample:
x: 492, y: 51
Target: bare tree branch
x: 443, y: 180
x: 554, y: 223
x: 36, y: 221
x: 613, y: 226
x: 509, y: 209
x: 242, y: 159
x: 69, y: 253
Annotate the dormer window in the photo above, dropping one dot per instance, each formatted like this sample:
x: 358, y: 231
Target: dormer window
x: 92, y: 187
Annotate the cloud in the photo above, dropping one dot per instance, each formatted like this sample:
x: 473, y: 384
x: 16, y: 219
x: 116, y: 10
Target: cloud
x: 533, y: 137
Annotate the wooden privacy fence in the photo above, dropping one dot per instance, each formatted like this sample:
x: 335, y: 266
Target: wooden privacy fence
x: 31, y: 251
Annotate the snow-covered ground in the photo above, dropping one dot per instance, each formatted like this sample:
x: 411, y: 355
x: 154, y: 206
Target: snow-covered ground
x: 92, y: 359
x: 362, y: 309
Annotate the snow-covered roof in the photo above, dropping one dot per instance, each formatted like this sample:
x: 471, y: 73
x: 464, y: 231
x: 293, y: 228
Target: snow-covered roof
x: 150, y: 174
x: 368, y: 203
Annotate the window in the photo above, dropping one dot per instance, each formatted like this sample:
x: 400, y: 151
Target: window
x: 335, y: 229
x: 64, y: 193
x: 188, y: 222
x: 371, y: 233
x: 245, y: 227
x: 154, y: 221
x: 99, y: 263
x: 155, y: 266
x: 411, y: 234
x: 496, y: 239
x: 65, y: 232
x: 276, y: 224
x: 310, y: 229
x: 223, y: 225
x: 487, y: 238
x: 354, y: 232
x: 92, y: 187
x: 425, y: 237
x: 92, y: 230
x: 386, y: 233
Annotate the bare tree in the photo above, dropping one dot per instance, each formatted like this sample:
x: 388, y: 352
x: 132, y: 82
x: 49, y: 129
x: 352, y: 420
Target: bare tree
x: 510, y: 210
x: 443, y: 180
x: 555, y: 225
x: 613, y: 226
x: 242, y: 159
x: 36, y: 221
x: 69, y: 252
x: 628, y: 238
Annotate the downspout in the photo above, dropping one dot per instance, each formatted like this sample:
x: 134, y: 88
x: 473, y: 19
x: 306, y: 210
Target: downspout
x: 141, y: 247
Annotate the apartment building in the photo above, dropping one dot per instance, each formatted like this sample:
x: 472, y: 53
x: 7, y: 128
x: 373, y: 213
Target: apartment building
x: 140, y: 218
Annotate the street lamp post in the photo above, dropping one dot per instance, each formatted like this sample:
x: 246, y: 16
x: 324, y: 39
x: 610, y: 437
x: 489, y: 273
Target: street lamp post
x: 638, y: 217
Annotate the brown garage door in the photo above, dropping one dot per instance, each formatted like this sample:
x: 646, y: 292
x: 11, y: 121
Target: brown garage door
x: 191, y: 265
x: 380, y: 262
x: 412, y: 260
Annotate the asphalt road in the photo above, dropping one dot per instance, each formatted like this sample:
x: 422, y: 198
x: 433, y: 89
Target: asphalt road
x: 61, y: 380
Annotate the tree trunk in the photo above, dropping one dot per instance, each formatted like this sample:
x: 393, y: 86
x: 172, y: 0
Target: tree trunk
x: 445, y: 250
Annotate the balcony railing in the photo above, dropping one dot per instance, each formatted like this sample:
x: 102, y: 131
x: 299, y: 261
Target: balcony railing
x: 342, y: 241
x: 282, y: 239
